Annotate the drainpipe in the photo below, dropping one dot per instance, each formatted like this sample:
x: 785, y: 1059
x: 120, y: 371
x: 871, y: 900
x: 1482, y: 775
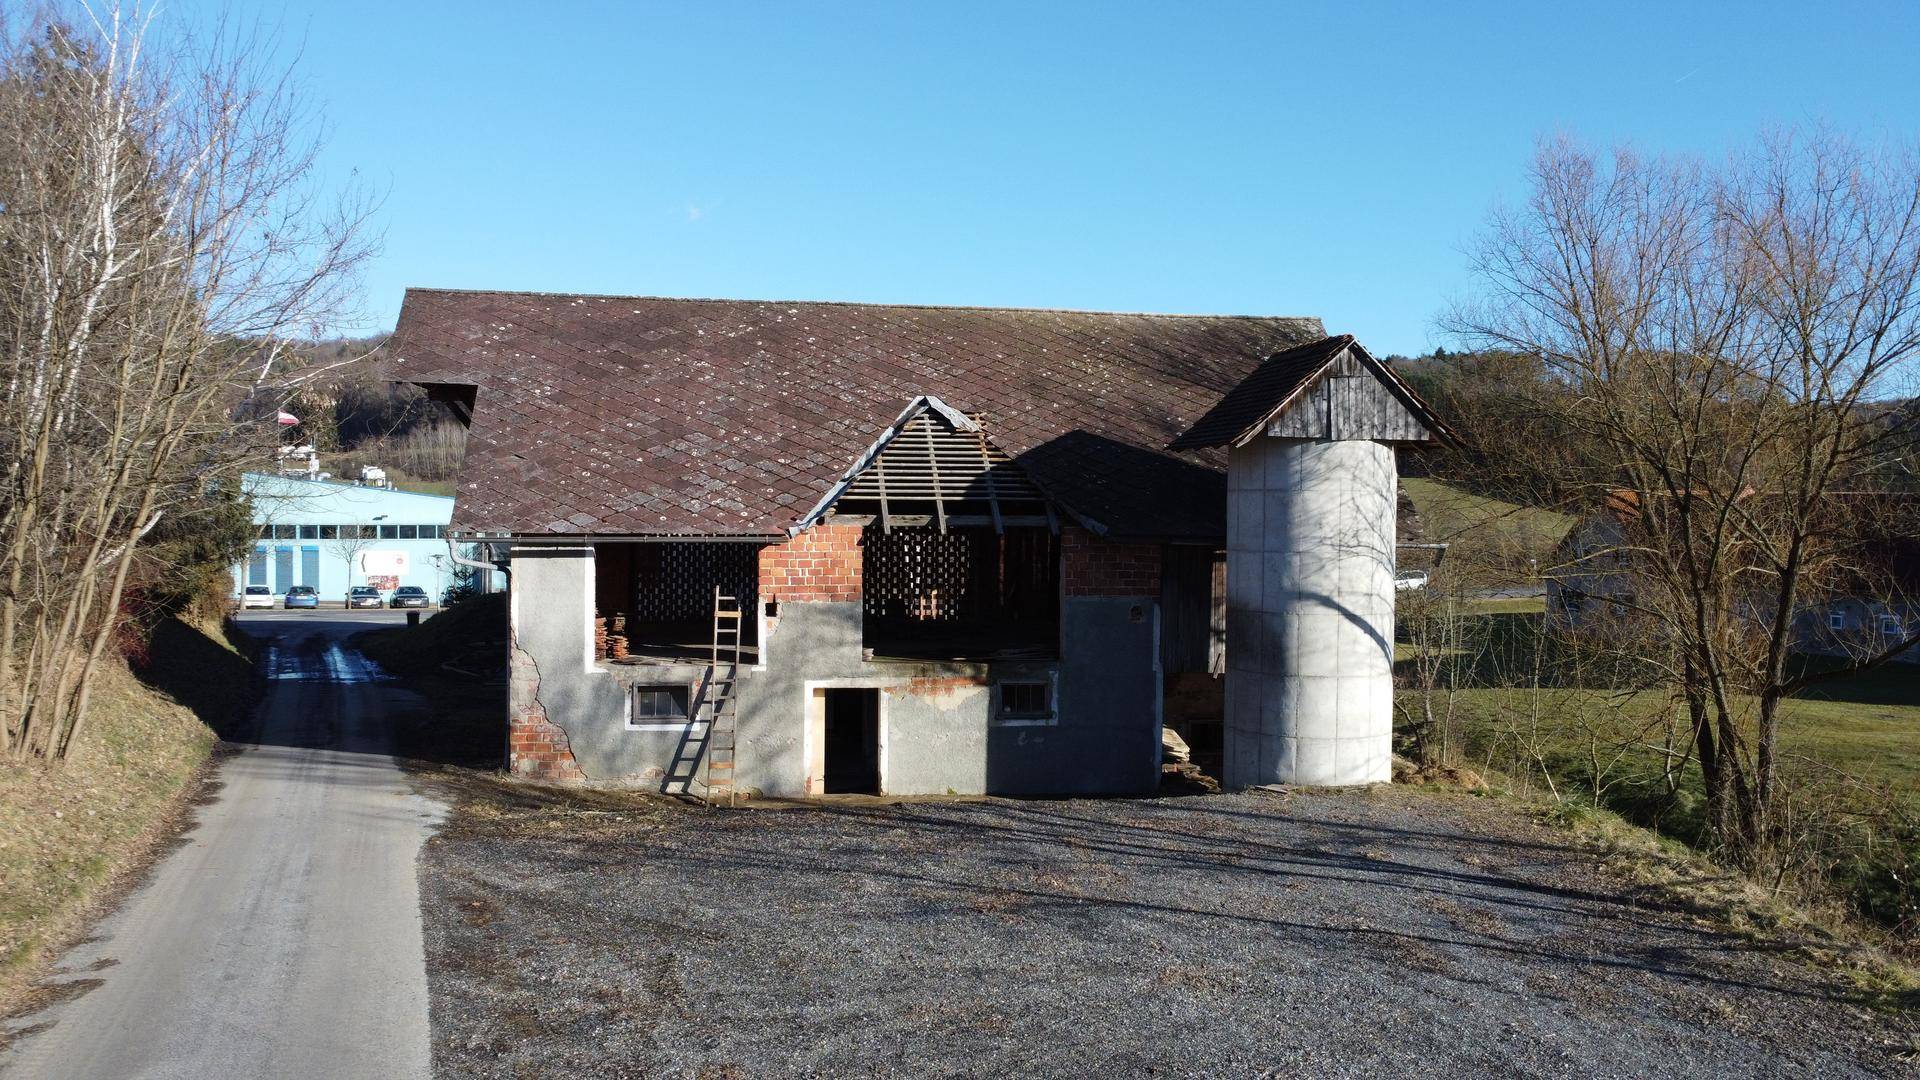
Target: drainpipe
x: 462, y: 560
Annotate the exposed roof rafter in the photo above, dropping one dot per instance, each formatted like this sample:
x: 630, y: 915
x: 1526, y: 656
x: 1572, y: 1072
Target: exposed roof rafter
x: 936, y: 457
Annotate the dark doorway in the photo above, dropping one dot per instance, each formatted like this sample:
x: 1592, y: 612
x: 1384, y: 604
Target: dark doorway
x: 853, y: 742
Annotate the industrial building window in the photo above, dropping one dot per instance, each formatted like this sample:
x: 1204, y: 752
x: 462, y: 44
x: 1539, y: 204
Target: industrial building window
x: 257, y: 567
x: 664, y: 704
x: 329, y: 532
x: 389, y: 532
x: 266, y: 532
x: 283, y: 532
x: 1836, y: 620
x: 429, y: 532
x: 1025, y: 702
x: 310, y: 565
x: 409, y: 532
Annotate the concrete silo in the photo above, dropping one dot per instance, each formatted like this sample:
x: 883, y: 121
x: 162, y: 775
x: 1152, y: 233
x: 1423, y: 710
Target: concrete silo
x: 1311, y: 495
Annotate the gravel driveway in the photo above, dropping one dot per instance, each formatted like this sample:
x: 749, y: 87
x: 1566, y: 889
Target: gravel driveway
x: 1385, y: 933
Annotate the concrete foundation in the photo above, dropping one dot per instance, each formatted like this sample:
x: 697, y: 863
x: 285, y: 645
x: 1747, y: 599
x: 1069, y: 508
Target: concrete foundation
x: 1310, y: 561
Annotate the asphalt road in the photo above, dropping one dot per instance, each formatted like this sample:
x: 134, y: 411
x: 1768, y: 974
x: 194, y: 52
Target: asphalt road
x: 283, y: 937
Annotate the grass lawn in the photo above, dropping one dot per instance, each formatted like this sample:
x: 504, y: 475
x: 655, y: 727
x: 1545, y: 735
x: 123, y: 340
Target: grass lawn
x: 1492, y: 537
x: 1866, y: 727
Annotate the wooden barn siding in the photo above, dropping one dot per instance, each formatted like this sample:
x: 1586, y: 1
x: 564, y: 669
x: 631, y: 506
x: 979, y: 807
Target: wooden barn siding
x: 1193, y: 609
x: 1349, y: 402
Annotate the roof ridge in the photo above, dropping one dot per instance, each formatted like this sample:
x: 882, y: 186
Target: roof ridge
x: 859, y: 304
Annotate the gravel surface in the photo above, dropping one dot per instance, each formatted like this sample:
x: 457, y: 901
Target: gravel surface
x: 1383, y: 933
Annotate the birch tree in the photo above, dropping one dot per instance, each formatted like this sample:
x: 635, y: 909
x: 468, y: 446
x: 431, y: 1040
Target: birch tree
x: 162, y: 236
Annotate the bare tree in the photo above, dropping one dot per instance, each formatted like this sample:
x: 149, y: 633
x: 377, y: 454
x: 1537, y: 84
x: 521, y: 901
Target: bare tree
x: 347, y: 546
x: 162, y: 239
x: 1729, y: 349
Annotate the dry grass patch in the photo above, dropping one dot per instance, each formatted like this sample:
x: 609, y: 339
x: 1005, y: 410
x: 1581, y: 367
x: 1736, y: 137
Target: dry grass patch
x: 70, y: 833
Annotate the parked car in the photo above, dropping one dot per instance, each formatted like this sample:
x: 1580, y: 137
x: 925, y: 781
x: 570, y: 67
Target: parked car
x: 302, y: 596
x: 410, y: 596
x: 364, y: 596
x: 256, y: 596
x: 1410, y: 579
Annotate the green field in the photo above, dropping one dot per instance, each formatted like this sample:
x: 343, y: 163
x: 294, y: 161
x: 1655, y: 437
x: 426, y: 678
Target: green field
x: 1861, y: 732
x: 1491, y: 541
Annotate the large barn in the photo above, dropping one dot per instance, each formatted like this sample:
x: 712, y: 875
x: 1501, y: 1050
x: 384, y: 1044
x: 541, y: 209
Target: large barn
x: 798, y: 548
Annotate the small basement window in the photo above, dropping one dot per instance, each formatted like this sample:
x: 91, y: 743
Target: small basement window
x: 658, y: 704
x: 1890, y: 625
x: 1025, y: 702
x: 1836, y: 620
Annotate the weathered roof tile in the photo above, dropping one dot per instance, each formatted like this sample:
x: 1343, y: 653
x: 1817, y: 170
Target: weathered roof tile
x: 627, y: 415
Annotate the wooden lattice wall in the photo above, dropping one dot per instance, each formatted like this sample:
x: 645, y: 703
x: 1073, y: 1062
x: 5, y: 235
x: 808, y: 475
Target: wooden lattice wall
x: 963, y: 575
x: 673, y: 582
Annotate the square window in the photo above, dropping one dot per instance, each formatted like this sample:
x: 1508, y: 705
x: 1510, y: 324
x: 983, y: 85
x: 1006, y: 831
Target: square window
x: 1890, y: 625
x: 409, y: 532
x: 329, y: 532
x: 389, y: 532
x: 664, y: 704
x: 309, y: 532
x: 1026, y: 701
x: 1836, y: 620
x: 283, y: 532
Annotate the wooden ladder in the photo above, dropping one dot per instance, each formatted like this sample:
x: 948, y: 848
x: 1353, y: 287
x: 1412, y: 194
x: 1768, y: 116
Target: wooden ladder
x: 722, y: 706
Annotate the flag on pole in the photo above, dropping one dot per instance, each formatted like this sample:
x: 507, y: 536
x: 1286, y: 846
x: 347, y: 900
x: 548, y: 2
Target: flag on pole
x: 287, y: 419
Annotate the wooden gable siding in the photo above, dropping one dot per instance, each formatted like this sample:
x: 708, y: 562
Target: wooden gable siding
x: 1348, y: 402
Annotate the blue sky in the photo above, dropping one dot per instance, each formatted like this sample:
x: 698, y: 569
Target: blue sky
x: 1326, y: 159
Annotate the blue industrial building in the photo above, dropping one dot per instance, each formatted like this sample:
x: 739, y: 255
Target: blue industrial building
x: 334, y: 535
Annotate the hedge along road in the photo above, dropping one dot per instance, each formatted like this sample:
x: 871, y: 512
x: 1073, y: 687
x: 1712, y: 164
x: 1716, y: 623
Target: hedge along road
x: 282, y: 938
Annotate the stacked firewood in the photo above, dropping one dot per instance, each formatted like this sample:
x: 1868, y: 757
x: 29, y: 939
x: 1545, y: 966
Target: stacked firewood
x: 609, y: 637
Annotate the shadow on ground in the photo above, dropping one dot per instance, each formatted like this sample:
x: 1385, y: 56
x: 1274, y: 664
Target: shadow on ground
x: 1382, y: 933
x: 214, y: 677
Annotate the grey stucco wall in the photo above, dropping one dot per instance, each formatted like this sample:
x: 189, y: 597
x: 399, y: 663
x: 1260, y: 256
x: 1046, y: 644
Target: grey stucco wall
x: 938, y: 734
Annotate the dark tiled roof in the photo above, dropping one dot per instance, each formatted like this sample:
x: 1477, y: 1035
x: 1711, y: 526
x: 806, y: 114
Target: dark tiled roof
x: 1250, y: 404
x: 645, y: 416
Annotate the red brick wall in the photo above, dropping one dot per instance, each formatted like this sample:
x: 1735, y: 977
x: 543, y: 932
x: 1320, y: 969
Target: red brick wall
x: 822, y: 563
x: 1090, y: 566
x: 537, y: 748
